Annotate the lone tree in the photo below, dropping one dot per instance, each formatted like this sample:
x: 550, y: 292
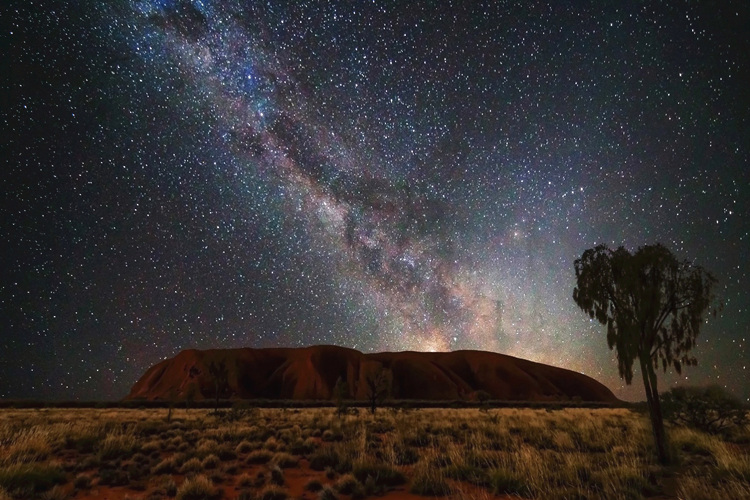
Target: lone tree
x: 378, y: 385
x: 653, y: 306
x: 341, y: 393
x: 219, y: 373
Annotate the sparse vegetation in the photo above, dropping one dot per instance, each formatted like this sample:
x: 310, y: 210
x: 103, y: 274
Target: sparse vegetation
x: 710, y: 409
x: 197, y: 488
x: 453, y: 453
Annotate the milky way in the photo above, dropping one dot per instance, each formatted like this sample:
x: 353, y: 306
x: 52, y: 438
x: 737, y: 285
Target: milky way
x: 383, y: 176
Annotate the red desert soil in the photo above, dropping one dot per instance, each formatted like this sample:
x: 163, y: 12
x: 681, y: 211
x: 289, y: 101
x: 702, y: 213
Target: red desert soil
x: 295, y: 481
x: 311, y: 373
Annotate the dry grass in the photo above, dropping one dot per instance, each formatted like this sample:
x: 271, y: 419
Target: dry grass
x: 461, y: 453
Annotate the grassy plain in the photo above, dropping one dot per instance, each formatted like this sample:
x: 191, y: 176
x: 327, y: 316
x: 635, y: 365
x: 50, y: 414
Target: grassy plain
x: 313, y: 453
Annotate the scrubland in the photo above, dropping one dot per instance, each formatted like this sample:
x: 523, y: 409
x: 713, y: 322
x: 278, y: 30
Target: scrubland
x: 319, y: 454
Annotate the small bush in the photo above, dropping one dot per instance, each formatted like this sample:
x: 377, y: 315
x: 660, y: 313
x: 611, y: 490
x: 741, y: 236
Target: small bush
x: 210, y: 462
x: 326, y: 493
x: 383, y: 474
x: 313, y: 485
x: 710, y: 409
x: 192, y: 465
x: 117, y: 445
x: 302, y: 447
x: 504, y: 483
x: 113, y: 477
x: 82, y: 482
x: 245, y: 481
x: 326, y: 456
x: 166, y: 466
x: 260, y: 479
x: 259, y: 457
x: 170, y: 487
x: 428, y: 483
x: 348, y: 485
x: 468, y: 473
x: 284, y: 460
x: 226, y: 453
x: 406, y: 455
x: 277, y: 475
x: 56, y: 493
x: 245, y: 447
x: 273, y: 493
x: 197, y: 488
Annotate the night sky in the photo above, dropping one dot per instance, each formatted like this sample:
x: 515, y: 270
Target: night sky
x: 377, y: 175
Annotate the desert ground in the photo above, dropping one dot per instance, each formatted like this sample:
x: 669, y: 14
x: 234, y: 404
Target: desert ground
x: 317, y: 453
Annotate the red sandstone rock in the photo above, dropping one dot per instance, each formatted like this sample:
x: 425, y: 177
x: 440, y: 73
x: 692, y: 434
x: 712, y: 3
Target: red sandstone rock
x: 311, y: 373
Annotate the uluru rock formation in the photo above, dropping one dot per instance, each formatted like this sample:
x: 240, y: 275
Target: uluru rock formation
x: 311, y: 373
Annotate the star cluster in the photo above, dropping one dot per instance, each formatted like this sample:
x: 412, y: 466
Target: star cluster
x: 379, y: 175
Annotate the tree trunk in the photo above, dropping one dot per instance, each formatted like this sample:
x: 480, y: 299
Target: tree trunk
x: 654, y: 409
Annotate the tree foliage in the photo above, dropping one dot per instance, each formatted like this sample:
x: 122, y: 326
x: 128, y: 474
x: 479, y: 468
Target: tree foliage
x: 653, y: 306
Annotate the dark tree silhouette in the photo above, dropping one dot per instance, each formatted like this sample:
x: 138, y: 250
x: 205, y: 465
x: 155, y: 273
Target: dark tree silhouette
x: 190, y: 394
x: 341, y: 393
x: 378, y: 385
x: 219, y: 373
x: 653, y: 306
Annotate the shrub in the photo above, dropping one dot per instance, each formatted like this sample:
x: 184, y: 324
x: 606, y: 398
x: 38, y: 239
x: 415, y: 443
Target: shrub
x: 166, y: 466
x: 285, y: 460
x: 245, y: 481
x: 85, y: 443
x: 82, y: 482
x: 56, y: 493
x: 710, y: 409
x: 300, y: 447
x: 170, y: 487
x: 468, y: 473
x: 326, y: 493
x: 348, y: 485
x: 245, y: 447
x: 113, y: 477
x: 503, y: 482
x: 211, y: 462
x: 197, y: 488
x: 427, y: 482
x: 383, y: 474
x: 273, y: 493
x: 226, y: 453
x: 259, y: 457
x: 277, y: 475
x: 326, y: 456
x: 117, y: 445
x: 313, y: 485
x: 260, y: 479
x: 192, y: 465
x: 405, y: 455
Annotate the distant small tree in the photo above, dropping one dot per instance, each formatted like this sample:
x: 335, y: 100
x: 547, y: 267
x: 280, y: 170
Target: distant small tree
x: 378, y: 386
x: 190, y: 394
x: 341, y: 393
x: 220, y: 374
x: 483, y: 397
x: 172, y: 398
x: 653, y: 306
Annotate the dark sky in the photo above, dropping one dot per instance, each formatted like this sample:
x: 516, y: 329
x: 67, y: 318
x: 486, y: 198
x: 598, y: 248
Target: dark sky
x: 378, y: 175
